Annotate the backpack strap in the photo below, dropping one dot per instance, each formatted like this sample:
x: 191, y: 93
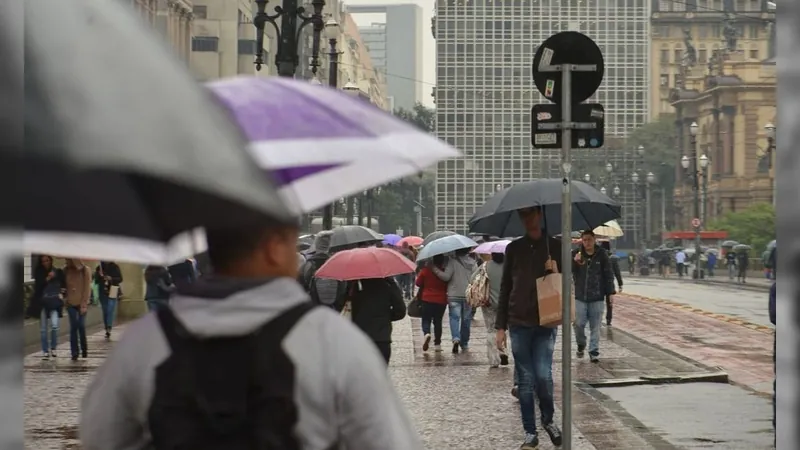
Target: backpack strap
x: 277, y: 329
x: 173, y: 329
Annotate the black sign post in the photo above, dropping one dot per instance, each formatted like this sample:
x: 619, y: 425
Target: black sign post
x: 567, y: 69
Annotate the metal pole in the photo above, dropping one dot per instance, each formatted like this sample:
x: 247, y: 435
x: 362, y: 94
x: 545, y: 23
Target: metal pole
x: 663, y: 213
x: 648, y: 232
x: 369, y: 208
x: 696, y: 188
x: 333, y: 81
x: 774, y: 174
x: 361, y: 209
x: 566, y: 258
x: 419, y: 211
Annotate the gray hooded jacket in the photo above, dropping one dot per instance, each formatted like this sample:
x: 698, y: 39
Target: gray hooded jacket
x: 343, y: 390
x: 457, y: 274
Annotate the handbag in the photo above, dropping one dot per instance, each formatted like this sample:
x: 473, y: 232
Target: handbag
x: 414, y: 308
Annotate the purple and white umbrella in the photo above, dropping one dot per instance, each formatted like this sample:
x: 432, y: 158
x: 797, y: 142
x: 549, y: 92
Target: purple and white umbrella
x: 321, y: 144
x: 488, y: 248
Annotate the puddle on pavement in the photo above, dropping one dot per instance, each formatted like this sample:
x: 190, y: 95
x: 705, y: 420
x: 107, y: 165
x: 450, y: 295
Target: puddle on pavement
x: 44, y: 368
x: 63, y: 433
x: 699, y: 415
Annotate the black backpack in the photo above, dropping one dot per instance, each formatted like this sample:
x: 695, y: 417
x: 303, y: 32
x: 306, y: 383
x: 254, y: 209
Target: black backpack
x: 227, y: 393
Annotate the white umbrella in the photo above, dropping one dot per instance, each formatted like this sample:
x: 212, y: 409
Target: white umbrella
x: 609, y: 229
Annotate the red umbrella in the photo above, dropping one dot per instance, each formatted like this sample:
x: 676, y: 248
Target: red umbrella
x: 364, y: 263
x: 413, y: 241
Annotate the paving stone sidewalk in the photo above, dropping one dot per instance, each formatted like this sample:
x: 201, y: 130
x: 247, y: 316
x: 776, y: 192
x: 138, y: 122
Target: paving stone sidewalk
x: 457, y: 401
x: 741, y: 350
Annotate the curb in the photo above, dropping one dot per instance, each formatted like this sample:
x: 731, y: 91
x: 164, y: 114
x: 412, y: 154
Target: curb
x: 706, y: 282
x: 702, y: 312
x: 717, y: 377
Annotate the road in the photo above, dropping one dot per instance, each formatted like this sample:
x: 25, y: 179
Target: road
x: 748, y: 305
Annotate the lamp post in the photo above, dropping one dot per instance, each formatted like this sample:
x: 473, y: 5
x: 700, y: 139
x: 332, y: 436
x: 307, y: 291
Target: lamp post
x: 691, y: 166
x: 704, y: 165
x: 635, y: 180
x: 370, y: 199
x: 603, y: 190
x: 616, y: 191
x: 587, y: 178
x: 770, y: 129
x: 638, y: 164
x: 288, y: 33
x: 331, y: 32
x: 648, y: 223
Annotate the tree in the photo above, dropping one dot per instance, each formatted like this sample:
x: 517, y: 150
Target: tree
x: 754, y: 226
x: 395, y: 204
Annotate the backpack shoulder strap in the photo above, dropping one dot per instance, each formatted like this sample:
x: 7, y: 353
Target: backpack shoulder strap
x: 277, y: 329
x: 175, y: 332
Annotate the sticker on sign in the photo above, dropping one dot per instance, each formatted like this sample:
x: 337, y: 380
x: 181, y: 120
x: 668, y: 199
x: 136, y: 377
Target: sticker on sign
x: 548, y: 89
x: 545, y: 138
x: 544, y: 116
x: 547, y: 57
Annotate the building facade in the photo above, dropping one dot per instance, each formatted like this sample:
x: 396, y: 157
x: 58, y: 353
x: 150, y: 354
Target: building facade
x: 395, y: 48
x: 731, y: 107
x: 484, y: 89
x: 692, y: 33
x: 357, y: 72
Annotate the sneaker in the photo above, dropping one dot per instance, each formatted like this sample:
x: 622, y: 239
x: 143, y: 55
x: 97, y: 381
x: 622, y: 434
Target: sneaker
x: 85, y: 354
x: 579, y: 353
x: 426, y: 343
x: 594, y: 357
x: 455, y: 347
x: 503, y: 359
x: 74, y: 357
x: 531, y: 442
x: 53, y: 353
x: 46, y: 355
x: 437, y: 348
x: 515, y: 392
x: 108, y: 333
x: 554, y: 433
x: 608, y: 323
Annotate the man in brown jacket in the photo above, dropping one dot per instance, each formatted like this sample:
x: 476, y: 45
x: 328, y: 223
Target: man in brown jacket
x: 79, y: 288
x: 528, y: 258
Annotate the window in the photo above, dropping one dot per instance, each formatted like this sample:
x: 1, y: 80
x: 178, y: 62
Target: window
x: 200, y: 12
x: 753, y: 53
x: 664, y: 79
x: 753, y: 31
x: 205, y: 44
x: 664, y: 56
x: 678, y: 55
x: 247, y: 46
x: 702, y: 56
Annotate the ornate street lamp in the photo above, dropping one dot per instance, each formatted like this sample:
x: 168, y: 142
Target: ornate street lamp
x: 288, y: 33
x: 770, y: 129
x: 603, y: 190
x: 616, y: 191
x: 609, y: 168
x: 587, y: 178
x: 690, y: 164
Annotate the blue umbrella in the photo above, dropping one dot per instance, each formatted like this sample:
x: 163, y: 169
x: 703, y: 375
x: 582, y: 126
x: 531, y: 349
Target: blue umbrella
x: 391, y: 239
x: 444, y: 245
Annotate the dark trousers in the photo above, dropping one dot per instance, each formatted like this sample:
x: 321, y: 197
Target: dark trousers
x: 386, y: 350
x: 609, y: 310
x: 433, y: 313
x: 77, y: 331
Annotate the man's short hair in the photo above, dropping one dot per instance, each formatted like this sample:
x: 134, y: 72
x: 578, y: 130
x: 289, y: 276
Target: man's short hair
x: 587, y: 233
x: 229, y: 245
x: 526, y: 211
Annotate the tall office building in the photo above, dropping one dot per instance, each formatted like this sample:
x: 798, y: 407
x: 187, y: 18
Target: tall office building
x: 485, y: 90
x: 395, y: 47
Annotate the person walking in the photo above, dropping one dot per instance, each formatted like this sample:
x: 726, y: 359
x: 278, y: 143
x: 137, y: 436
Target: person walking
x: 526, y: 259
x: 158, y: 287
x: 631, y: 263
x: 323, y: 291
x: 494, y: 274
x: 456, y: 274
x: 730, y: 261
x: 594, y: 283
x: 742, y: 263
x: 47, y: 303
x: 108, y: 277
x: 711, y: 263
x: 432, y: 294
x: 773, y: 294
x: 375, y: 303
x: 680, y: 263
x: 78, y: 280
x: 244, y: 349
x: 614, y: 259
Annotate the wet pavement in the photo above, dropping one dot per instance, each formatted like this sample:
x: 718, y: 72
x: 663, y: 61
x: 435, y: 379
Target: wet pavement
x: 722, y: 416
x: 742, y: 350
x: 729, y: 300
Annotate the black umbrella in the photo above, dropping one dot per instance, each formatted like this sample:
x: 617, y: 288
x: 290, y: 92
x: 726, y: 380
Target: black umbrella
x: 352, y: 236
x: 498, y: 216
x: 436, y: 235
x: 127, y: 146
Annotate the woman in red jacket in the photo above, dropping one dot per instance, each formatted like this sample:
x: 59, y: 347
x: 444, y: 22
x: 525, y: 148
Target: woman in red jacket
x: 433, y: 295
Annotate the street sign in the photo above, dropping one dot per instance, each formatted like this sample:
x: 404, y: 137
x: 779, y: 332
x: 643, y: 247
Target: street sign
x: 588, y: 121
x: 696, y: 222
x: 568, y: 47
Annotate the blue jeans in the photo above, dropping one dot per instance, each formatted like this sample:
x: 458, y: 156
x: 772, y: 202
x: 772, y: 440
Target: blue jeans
x: 49, y: 333
x: 533, y: 363
x: 154, y: 304
x: 109, y: 306
x: 77, y: 331
x: 460, y: 320
x: 433, y: 313
x: 591, y: 312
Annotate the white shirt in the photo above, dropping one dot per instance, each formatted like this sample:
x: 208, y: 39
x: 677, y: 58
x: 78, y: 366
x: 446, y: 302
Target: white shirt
x: 680, y: 257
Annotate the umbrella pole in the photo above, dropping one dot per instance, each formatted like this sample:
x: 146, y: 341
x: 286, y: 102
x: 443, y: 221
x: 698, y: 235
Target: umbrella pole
x: 566, y: 258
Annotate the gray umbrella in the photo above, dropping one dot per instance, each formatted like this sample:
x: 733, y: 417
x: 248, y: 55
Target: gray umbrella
x: 499, y: 217
x: 353, y: 235
x: 436, y: 235
x: 129, y: 139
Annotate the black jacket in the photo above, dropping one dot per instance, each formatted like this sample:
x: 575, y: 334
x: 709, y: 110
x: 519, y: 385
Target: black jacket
x: 109, y: 269
x: 40, y: 282
x: 375, y: 306
x: 615, y: 268
x: 594, y: 279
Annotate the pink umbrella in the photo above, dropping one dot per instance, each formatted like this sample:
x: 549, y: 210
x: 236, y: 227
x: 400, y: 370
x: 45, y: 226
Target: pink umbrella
x: 413, y: 241
x: 364, y: 263
x: 492, y: 247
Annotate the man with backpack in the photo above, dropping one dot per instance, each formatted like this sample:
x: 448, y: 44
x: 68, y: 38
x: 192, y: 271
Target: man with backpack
x: 240, y: 359
x: 322, y: 291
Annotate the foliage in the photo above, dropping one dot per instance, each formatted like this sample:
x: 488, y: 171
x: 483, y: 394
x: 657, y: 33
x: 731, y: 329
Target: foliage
x: 395, y: 204
x: 754, y: 226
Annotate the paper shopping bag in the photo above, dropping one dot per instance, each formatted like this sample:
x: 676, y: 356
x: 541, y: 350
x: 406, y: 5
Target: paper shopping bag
x: 548, y: 291
x: 113, y: 292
